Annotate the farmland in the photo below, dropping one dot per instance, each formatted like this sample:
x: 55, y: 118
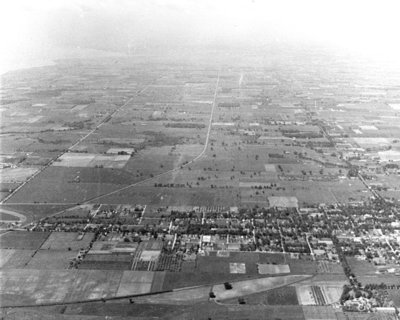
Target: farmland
x: 232, y: 188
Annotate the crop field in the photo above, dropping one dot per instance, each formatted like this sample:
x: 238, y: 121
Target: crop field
x: 11, y: 175
x: 275, y: 297
x: 57, y: 185
x: 106, y: 262
x: 51, y: 259
x: 67, y: 241
x: 23, y: 240
x: 136, y: 282
x: 15, y: 258
x: 175, y: 280
x: 246, y: 287
x: 329, y: 267
x: 91, y: 160
x: 320, y: 312
x: 286, y: 202
x: 371, y: 142
x: 305, y: 295
x: 302, y: 266
x: 320, y: 290
x: 39, y: 286
x: 388, y: 279
x: 332, y: 292
x: 215, y: 264
x: 5, y: 255
x: 273, y: 268
x: 158, y: 281
x: 271, y: 258
x: 362, y: 267
x: 169, y: 197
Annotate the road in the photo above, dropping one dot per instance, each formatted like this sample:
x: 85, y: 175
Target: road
x: 20, y: 217
x: 179, y: 167
x: 105, y: 119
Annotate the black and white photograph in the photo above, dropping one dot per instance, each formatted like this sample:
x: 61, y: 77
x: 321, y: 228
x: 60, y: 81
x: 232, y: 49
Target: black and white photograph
x: 199, y: 159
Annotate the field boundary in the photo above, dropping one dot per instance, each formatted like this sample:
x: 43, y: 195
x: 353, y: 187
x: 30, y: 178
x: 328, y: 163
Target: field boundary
x: 179, y: 167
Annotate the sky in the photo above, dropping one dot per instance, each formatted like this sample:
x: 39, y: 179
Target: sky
x: 32, y: 28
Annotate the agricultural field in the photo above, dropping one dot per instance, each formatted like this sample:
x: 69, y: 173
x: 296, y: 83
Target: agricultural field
x: 329, y: 267
x: 106, y: 262
x: 175, y: 280
x: 9, y: 175
x: 246, y: 287
x: 321, y: 312
x: 51, y: 260
x: 279, y: 296
x: 15, y: 258
x: 67, y: 241
x: 23, y: 240
x: 70, y: 285
x: 361, y: 268
x: 156, y: 156
x: 319, y: 294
